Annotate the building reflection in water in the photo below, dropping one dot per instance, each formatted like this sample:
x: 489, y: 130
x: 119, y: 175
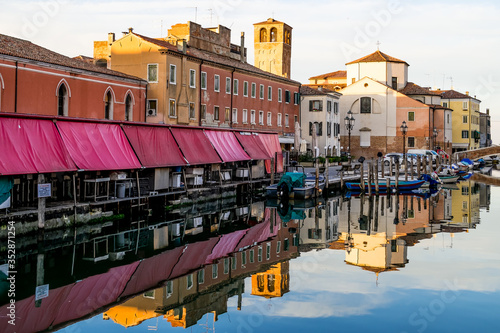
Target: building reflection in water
x: 194, y: 263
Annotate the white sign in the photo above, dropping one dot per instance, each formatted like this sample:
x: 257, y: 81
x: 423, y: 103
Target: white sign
x: 44, y: 190
x: 41, y: 292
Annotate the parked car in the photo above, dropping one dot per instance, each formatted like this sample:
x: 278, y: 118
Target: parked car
x: 425, y: 152
x: 399, y: 156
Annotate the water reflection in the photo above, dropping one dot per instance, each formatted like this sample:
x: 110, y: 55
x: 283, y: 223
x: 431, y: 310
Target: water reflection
x: 188, y: 262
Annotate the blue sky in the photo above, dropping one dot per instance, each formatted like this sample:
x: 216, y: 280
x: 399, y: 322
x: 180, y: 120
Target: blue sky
x: 445, y: 42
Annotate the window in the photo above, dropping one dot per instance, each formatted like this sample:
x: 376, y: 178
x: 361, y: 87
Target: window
x: 365, y: 105
x: 296, y: 98
x: 153, y: 73
x: 245, y: 88
x: 226, y: 265
x: 216, y: 112
x: 252, y: 256
x: 464, y: 204
x: 394, y: 83
x: 214, y: 271
x: 203, y: 111
x: 448, y: 118
x: 287, y: 96
x: 261, y: 117
x: 278, y: 247
x: 286, y: 244
x: 227, y: 114
x: 244, y: 116
x: 465, y: 105
x: 279, y: 95
x: 233, y: 263
x: 243, y: 258
x: 274, y: 35
x: 235, y: 116
x: 192, y: 111
x: 288, y: 37
x: 316, y: 105
x: 411, y: 142
x: 128, y: 108
x: 252, y: 117
x: 189, y: 281
x: 295, y: 119
x: 173, y: 74
x: 149, y: 294
x: 270, y: 93
x: 216, y: 83
x: 316, y: 126
x: 228, y: 85
x: 254, y: 88
x: 445, y: 104
x: 169, y: 288
x: 203, y: 80
x: 172, y: 111
x: 464, y: 119
x: 62, y: 100
x: 259, y: 254
x: 268, y: 251
x: 328, y: 128
x: 287, y: 124
x: 108, y: 106
x: 411, y: 116
x: 192, y: 78
x: 261, y: 91
x: 279, y: 120
x: 201, y: 276
x: 329, y: 106
x: 235, y: 87
x: 152, y: 105
x: 263, y: 35
x: 336, y: 108
x: 269, y: 119
x: 465, y: 134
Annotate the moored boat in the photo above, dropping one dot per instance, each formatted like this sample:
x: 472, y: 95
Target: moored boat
x: 403, y: 185
x: 295, y: 185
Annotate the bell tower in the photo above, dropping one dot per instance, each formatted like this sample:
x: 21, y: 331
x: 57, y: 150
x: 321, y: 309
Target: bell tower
x: 273, y: 47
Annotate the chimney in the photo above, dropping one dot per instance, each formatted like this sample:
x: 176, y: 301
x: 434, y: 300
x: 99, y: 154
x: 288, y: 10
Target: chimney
x: 242, y: 47
x: 467, y: 93
x: 111, y: 38
x: 181, y: 45
x: 130, y: 30
x: 488, y: 112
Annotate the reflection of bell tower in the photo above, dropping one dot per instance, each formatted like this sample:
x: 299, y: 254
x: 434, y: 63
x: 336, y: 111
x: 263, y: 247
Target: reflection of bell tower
x: 272, y: 283
x: 273, y: 47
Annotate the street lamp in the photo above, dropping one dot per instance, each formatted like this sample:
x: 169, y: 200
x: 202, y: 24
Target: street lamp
x: 435, y: 134
x: 404, y: 129
x: 349, y: 125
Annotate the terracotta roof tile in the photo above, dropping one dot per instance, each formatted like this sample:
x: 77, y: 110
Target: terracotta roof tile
x: 340, y: 74
x: 24, y: 49
x: 414, y: 89
x: 452, y: 94
x: 377, y: 56
x: 306, y: 90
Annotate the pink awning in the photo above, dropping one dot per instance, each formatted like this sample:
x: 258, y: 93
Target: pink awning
x: 31, y: 146
x: 155, y: 146
x: 195, y: 146
x: 98, y: 146
x: 272, y: 144
x: 226, y: 245
x: 253, y: 146
x: 227, y: 146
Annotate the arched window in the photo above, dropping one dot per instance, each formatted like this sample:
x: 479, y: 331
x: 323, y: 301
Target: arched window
x: 108, y: 105
x: 274, y: 34
x: 62, y: 100
x: 288, y: 37
x: 263, y: 35
x: 128, y: 108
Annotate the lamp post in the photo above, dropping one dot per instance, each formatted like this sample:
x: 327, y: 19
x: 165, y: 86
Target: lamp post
x: 404, y: 129
x: 349, y: 125
x: 435, y: 134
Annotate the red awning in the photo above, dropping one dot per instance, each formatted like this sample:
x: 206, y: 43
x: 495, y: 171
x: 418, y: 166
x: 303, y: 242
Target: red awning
x: 272, y: 144
x: 253, y: 146
x: 98, y: 146
x: 227, y: 146
x: 31, y: 146
x: 195, y: 146
x: 155, y: 146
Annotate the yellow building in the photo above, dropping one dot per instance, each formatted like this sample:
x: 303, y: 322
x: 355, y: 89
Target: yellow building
x: 465, y: 119
x: 273, y: 47
x: 272, y: 283
x: 333, y: 81
x: 465, y: 204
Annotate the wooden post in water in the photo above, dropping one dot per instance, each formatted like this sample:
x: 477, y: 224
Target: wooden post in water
x: 326, y: 174
x: 390, y: 166
x: 376, y: 178
x: 41, y: 204
x: 424, y: 167
x: 272, y: 170
x: 341, y: 180
x: 406, y: 167
x: 316, y: 191
x: 388, y: 185
x: 419, y: 165
x: 370, y: 178
x: 412, y: 169
x: 362, y: 175
x: 382, y: 166
x: 397, y: 176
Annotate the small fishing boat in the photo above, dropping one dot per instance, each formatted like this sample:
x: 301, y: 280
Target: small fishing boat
x: 448, y: 179
x: 295, y: 185
x: 403, y: 185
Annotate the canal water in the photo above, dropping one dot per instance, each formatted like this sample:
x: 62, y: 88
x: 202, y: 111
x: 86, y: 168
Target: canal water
x: 426, y: 262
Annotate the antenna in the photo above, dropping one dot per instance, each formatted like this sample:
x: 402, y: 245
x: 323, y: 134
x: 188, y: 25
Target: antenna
x: 211, y: 13
x: 451, y: 80
x: 378, y: 45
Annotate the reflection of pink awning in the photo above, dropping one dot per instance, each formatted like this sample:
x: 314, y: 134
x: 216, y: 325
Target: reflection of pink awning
x: 253, y: 146
x: 98, y: 146
x: 227, y: 146
x: 193, y: 257
x: 226, y: 245
x: 272, y: 144
x: 31, y: 146
x: 195, y: 146
x: 155, y: 146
